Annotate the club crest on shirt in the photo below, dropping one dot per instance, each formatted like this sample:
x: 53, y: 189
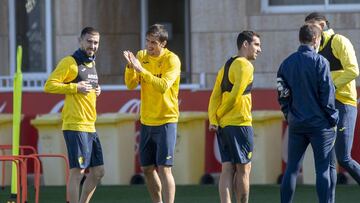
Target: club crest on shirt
x: 249, y: 155
x: 81, y: 160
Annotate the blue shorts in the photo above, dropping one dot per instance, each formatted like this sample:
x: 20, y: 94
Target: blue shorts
x: 157, y: 144
x: 84, y: 149
x: 236, y: 144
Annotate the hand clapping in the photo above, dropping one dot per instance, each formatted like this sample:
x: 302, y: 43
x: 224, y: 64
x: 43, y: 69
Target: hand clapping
x: 133, y: 61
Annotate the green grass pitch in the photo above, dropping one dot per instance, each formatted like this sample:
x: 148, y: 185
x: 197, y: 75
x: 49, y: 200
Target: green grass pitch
x: 190, y: 194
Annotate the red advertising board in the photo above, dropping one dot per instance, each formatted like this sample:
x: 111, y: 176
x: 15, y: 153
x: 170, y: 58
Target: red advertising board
x: 35, y: 103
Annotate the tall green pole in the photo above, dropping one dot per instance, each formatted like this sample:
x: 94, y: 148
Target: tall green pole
x: 17, y: 93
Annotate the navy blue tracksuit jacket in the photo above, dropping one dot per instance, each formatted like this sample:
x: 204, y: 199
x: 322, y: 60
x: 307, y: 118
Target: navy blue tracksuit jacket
x: 307, y: 99
x: 306, y: 91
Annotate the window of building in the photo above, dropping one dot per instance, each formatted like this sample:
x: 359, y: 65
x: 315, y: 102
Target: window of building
x: 30, y: 25
x: 294, y: 2
x: 344, y: 2
x: 34, y: 33
x: 287, y: 6
x: 30, y: 33
x: 175, y: 17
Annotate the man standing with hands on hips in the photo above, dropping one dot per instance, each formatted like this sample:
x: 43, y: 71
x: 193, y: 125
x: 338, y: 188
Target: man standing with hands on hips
x: 157, y: 70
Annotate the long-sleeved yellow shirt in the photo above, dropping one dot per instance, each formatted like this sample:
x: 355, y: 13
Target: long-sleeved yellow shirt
x: 234, y: 107
x: 344, y: 80
x: 159, y: 87
x: 79, y: 111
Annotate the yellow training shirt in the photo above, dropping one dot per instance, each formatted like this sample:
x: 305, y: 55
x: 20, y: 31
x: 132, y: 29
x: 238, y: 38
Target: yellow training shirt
x: 79, y: 111
x: 344, y: 80
x: 232, y: 108
x: 159, y: 87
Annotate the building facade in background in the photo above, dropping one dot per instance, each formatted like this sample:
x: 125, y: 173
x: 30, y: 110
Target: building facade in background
x: 202, y: 33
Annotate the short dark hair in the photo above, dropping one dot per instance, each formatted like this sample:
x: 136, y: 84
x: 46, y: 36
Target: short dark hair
x: 158, y: 31
x: 246, y: 35
x: 317, y: 16
x: 308, y: 32
x: 89, y: 30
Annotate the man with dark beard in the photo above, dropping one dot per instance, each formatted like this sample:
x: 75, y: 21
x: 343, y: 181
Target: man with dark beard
x: 75, y: 76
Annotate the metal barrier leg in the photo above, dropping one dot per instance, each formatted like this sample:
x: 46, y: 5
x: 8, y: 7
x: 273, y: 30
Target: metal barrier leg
x: 67, y: 170
x: 36, y: 175
x: 9, y: 147
x: 21, y: 174
x: 23, y: 170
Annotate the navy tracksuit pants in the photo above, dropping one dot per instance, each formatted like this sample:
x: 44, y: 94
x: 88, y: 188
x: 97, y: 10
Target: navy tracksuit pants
x: 322, y: 142
x: 343, y: 144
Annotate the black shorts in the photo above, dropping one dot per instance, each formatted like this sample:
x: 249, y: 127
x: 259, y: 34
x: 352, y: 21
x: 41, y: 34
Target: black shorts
x: 157, y: 144
x: 236, y: 144
x: 84, y: 149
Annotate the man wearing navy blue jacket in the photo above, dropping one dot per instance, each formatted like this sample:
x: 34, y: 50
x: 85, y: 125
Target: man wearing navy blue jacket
x: 306, y: 95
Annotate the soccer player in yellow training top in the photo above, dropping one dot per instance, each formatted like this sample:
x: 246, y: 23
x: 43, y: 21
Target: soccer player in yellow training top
x: 340, y: 53
x: 75, y: 76
x: 157, y: 70
x: 230, y: 115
